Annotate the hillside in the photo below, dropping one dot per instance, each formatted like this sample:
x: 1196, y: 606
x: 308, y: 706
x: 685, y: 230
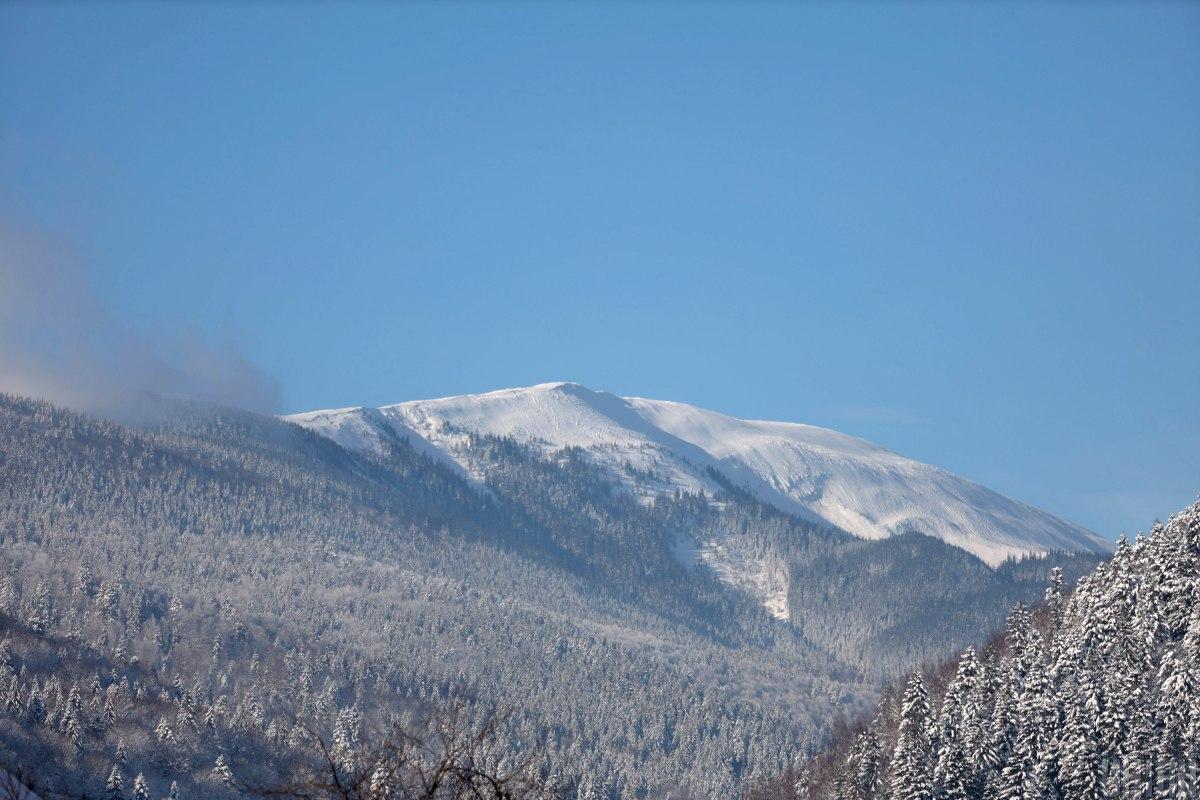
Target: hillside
x: 1094, y: 694
x: 225, y: 582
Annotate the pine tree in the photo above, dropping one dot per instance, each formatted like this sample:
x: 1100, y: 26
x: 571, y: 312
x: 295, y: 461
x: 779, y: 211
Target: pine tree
x: 952, y: 774
x: 912, y: 773
x: 83, y: 582
x: 345, y: 741
x: 12, y: 697
x: 382, y: 784
x: 114, y: 788
x: 1175, y: 749
x: 39, y: 616
x: 35, y: 706
x: 1082, y: 767
x: 1054, y: 596
x: 1191, y: 637
x: 861, y: 775
x: 8, y: 595
x: 222, y: 773
x: 800, y: 784
x: 1139, y: 776
x: 108, y: 717
x: 587, y: 788
x: 141, y: 789
x: 1030, y: 768
x: 73, y: 729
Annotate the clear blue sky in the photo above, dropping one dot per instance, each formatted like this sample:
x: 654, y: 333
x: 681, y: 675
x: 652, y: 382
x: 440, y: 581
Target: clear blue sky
x: 968, y: 232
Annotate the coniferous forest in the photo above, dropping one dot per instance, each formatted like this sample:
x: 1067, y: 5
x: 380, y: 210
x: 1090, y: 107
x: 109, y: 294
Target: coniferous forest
x: 1093, y: 693
x: 210, y: 603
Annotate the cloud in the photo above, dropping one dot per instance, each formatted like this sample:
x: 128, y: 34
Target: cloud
x: 58, y: 342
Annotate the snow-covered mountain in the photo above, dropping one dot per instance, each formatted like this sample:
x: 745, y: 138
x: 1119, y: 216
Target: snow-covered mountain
x: 656, y: 446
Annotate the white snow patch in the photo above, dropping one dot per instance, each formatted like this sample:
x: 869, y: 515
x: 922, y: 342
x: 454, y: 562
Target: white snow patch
x: 765, y: 579
x: 685, y: 550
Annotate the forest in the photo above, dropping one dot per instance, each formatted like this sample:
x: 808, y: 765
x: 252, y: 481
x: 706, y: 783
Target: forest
x: 1089, y: 694
x: 210, y: 602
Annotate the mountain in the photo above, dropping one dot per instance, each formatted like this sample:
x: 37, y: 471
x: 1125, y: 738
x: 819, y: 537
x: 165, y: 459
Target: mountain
x: 656, y: 447
x: 1095, y: 693
x: 218, y: 584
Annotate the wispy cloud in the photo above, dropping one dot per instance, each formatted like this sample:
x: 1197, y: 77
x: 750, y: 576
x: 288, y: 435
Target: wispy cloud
x: 58, y: 342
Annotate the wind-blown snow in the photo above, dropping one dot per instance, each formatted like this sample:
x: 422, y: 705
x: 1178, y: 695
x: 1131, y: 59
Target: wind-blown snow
x: 656, y: 446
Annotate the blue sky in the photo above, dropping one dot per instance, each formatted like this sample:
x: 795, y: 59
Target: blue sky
x: 968, y: 232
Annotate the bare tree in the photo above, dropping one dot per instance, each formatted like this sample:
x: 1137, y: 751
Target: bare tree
x: 451, y: 760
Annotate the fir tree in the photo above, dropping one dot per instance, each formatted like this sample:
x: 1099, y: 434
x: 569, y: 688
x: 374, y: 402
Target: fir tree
x: 1054, y: 596
x: 952, y: 774
x: 222, y: 773
x: 345, y: 741
x: 861, y: 777
x: 800, y: 784
x: 114, y: 787
x: 1179, y: 691
x: 912, y: 774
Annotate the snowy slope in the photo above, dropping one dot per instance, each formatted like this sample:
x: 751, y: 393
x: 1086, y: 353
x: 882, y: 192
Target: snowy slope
x: 655, y: 446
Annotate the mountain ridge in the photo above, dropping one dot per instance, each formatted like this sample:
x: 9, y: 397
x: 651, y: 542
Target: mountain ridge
x: 654, y: 447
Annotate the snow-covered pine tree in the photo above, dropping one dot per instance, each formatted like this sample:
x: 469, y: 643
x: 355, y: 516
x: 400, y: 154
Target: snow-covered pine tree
x: 345, y: 741
x: 222, y: 773
x: 953, y: 774
x: 912, y: 772
x: 73, y: 730
x: 1082, y: 771
x: 800, y: 784
x: 861, y: 777
x: 141, y: 789
x: 114, y: 787
x: 1175, y: 753
x: 1054, y: 596
x: 35, y: 706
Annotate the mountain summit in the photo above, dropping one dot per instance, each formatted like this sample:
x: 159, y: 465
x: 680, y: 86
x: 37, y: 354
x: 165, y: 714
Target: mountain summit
x: 656, y: 446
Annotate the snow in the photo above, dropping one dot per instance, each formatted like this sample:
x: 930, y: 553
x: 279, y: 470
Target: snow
x: 863, y: 488
x: 685, y: 550
x: 656, y: 446
x: 369, y: 430
x: 764, y: 579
